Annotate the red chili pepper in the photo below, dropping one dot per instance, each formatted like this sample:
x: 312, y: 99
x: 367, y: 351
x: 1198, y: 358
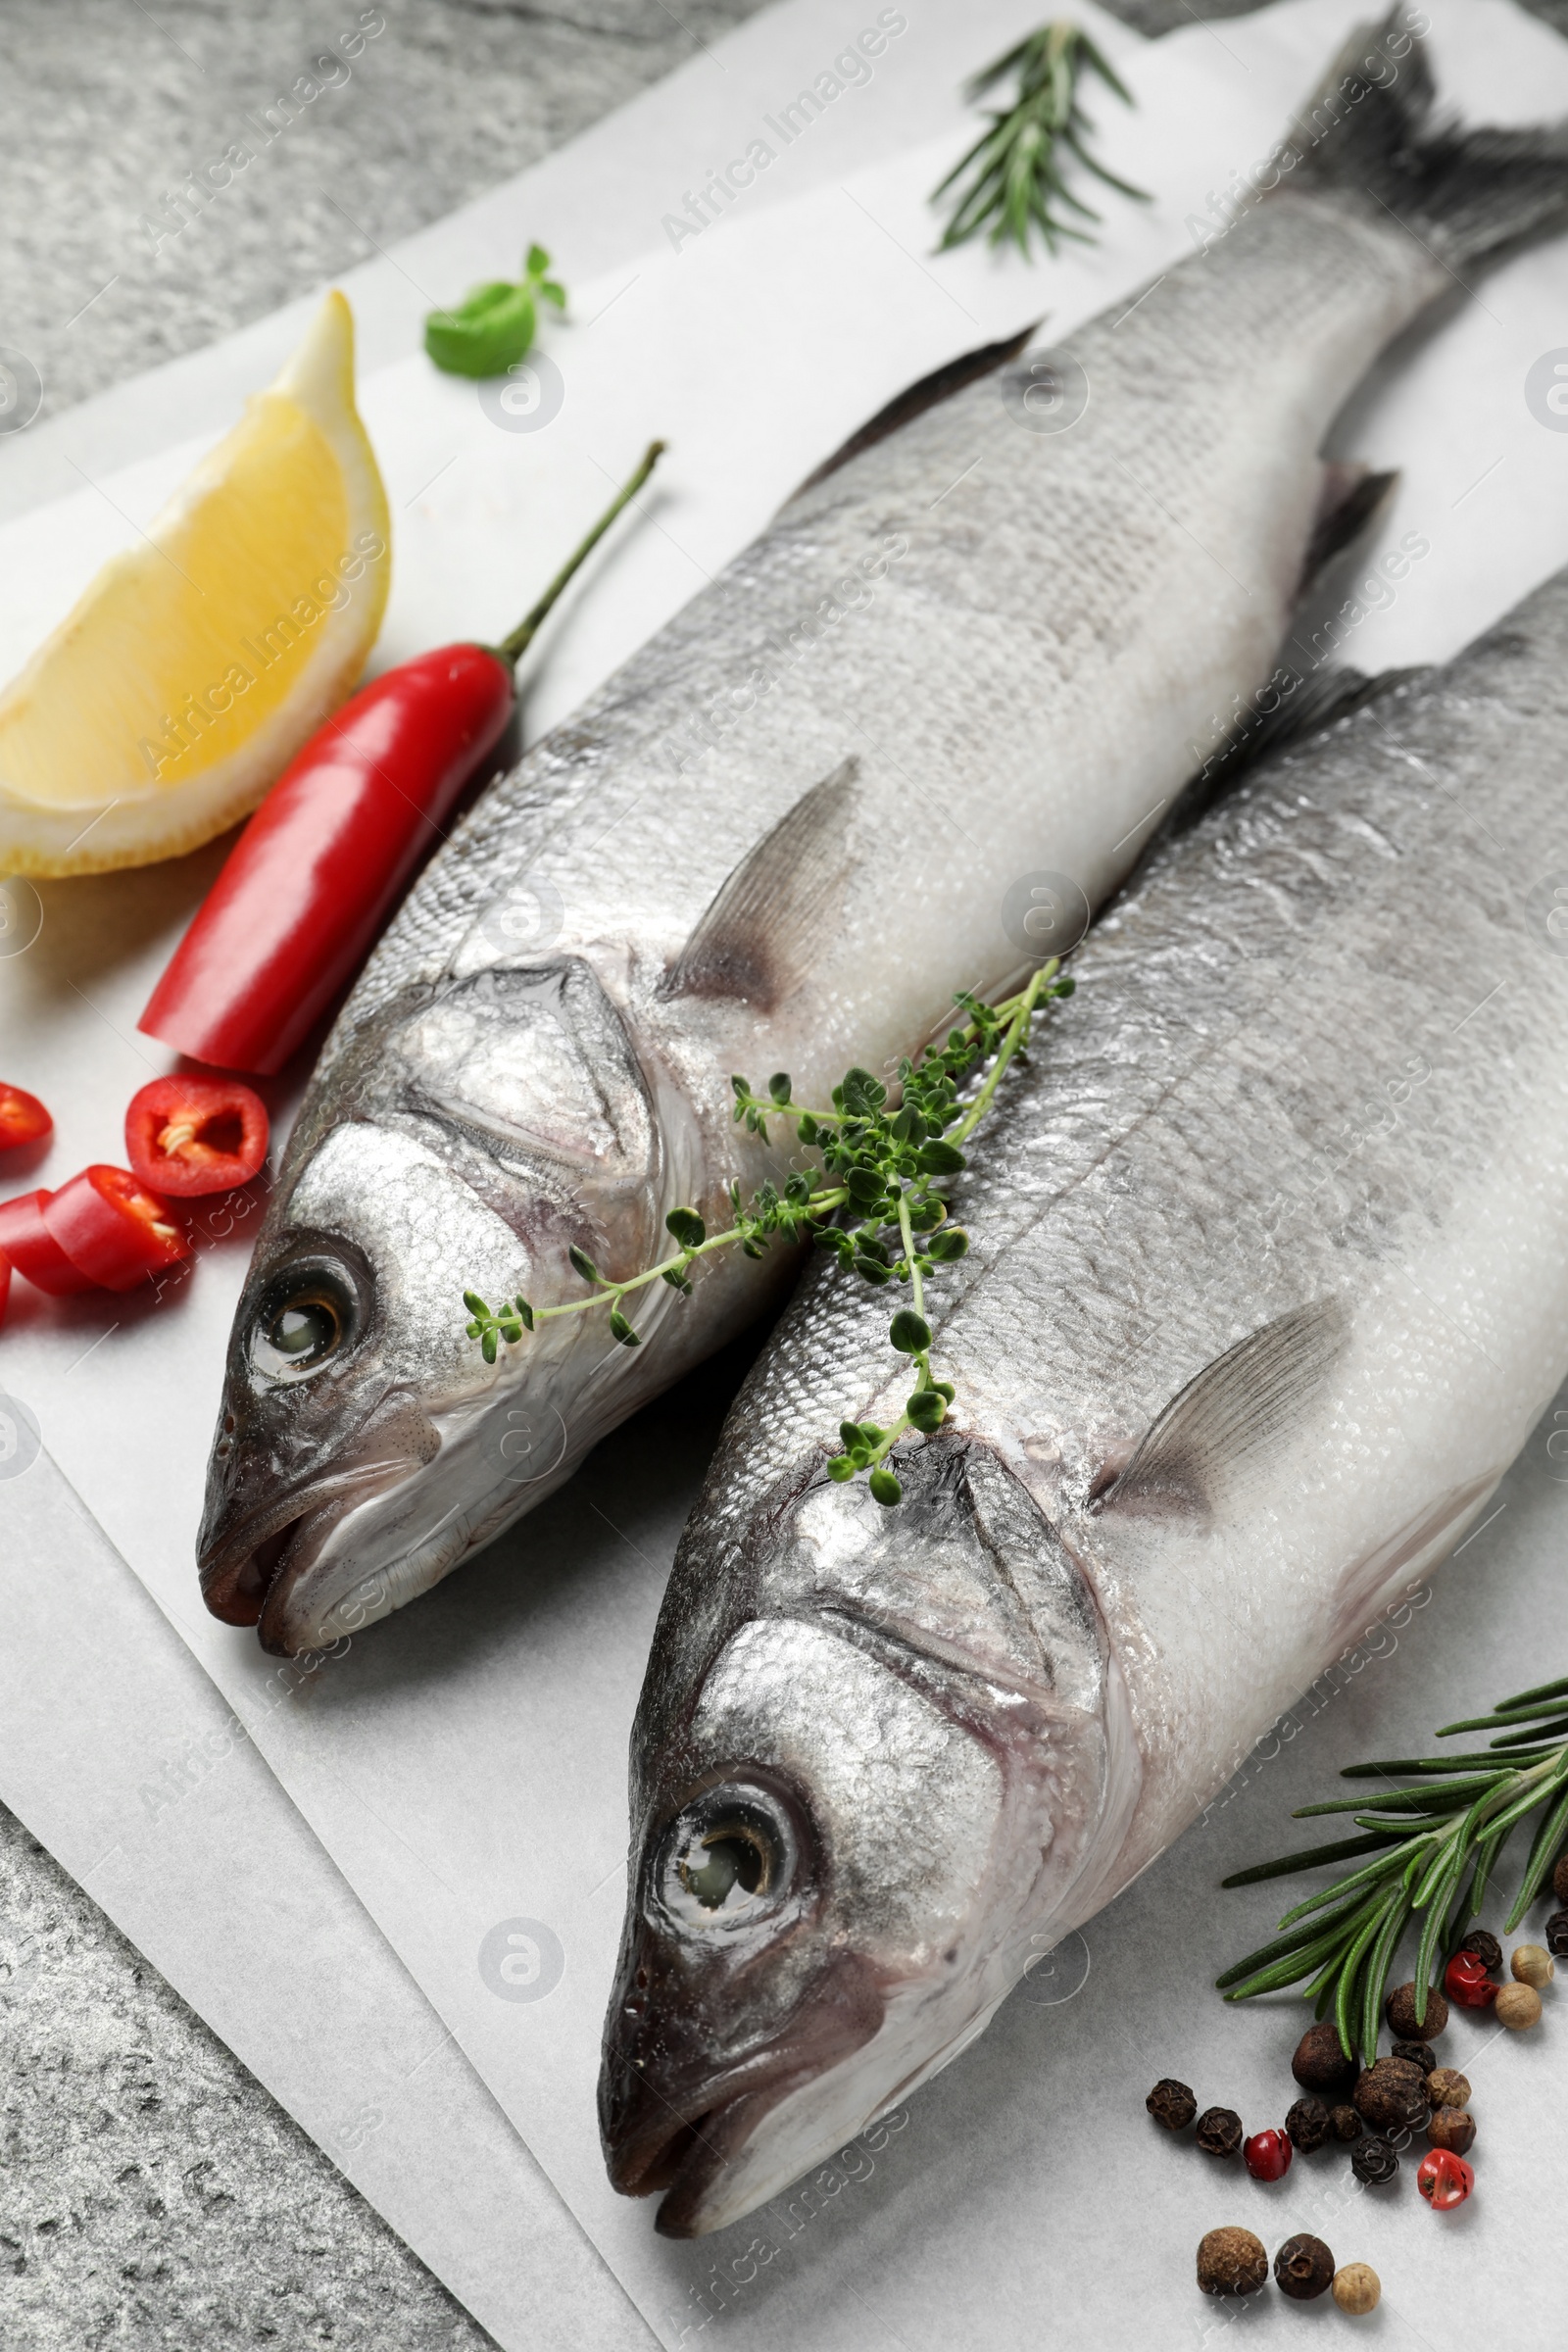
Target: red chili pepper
x: 5, y: 1284
x: 312, y: 877
x: 22, y: 1119
x: 188, y: 1134
x: 113, y: 1229
x: 32, y: 1248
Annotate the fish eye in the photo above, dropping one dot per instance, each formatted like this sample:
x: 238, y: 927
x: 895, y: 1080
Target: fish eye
x: 726, y: 1857
x: 302, y: 1322
x: 726, y: 1860
x: 305, y: 1330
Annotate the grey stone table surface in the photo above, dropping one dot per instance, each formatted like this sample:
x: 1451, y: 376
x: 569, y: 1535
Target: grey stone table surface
x: 151, y: 2193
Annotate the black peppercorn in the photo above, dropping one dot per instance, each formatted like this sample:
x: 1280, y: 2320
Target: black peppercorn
x: 1219, y: 2131
x: 1403, y: 2021
x: 1373, y: 2161
x: 1320, y: 2062
x: 1346, y: 2124
x: 1307, y: 2124
x: 1557, y: 1932
x: 1416, y: 2053
x: 1304, y: 2268
x: 1392, y: 2095
x: 1172, y: 2104
x: 1559, y: 1877
x: 1486, y: 1947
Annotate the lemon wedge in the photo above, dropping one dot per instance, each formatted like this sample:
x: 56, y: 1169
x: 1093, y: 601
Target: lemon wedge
x: 195, y: 665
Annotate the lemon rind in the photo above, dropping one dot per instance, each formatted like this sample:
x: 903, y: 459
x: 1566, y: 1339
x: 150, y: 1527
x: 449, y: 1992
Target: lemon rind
x: 109, y: 834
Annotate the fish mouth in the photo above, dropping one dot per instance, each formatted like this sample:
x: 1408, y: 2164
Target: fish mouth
x: 681, y: 2134
x: 250, y: 1573
x: 687, y: 2156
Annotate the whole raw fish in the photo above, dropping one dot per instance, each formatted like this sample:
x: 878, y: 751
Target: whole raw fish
x: 1268, y: 1285
x: 967, y: 655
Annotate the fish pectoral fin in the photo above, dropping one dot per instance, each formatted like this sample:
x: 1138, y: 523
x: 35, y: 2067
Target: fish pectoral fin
x: 1234, y: 1410
x: 916, y: 399
x: 1352, y: 501
x: 769, y: 920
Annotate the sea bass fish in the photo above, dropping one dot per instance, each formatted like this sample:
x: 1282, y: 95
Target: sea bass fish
x: 968, y: 659
x: 1268, y: 1285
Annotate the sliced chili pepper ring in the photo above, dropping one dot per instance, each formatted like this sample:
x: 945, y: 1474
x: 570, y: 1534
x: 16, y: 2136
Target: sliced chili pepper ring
x: 192, y: 1135
x: 23, y: 1117
x: 112, y: 1228
x: 33, y: 1251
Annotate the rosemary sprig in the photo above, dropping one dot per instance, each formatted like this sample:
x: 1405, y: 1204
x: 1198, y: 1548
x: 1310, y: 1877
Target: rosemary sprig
x: 880, y: 1166
x: 1437, y: 1843
x: 1017, y: 182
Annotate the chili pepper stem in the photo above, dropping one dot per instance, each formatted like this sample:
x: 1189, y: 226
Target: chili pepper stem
x: 512, y: 648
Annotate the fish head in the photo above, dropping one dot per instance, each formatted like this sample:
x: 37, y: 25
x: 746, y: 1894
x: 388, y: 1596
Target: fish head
x: 853, y: 1811
x: 348, y: 1364
x: 364, y: 1446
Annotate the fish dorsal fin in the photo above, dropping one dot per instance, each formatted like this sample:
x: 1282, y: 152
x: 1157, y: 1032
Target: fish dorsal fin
x: 768, y: 921
x: 916, y: 399
x: 1232, y: 1413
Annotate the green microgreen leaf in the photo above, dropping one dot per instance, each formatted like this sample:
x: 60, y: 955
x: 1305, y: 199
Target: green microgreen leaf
x: 940, y: 1160
x: 926, y: 1411
x: 493, y: 327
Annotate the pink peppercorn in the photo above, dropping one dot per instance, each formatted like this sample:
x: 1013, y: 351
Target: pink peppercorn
x: 1466, y: 1981
x: 1445, y: 2179
x: 1267, y: 2155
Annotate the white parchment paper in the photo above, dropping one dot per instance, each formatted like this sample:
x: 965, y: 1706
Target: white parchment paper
x: 464, y: 1764
x: 122, y: 1756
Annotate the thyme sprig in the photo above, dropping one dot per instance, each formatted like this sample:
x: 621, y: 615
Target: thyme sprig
x: 1018, y: 183
x: 1438, y: 1839
x: 875, y: 1202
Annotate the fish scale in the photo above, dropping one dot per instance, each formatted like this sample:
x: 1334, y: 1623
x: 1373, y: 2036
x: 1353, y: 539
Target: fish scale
x: 966, y: 659
x: 1268, y: 1285
x: 1206, y: 1027
x: 1031, y: 506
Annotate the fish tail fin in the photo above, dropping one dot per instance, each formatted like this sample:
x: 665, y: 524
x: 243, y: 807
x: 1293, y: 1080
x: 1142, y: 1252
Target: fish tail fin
x: 1370, y: 135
